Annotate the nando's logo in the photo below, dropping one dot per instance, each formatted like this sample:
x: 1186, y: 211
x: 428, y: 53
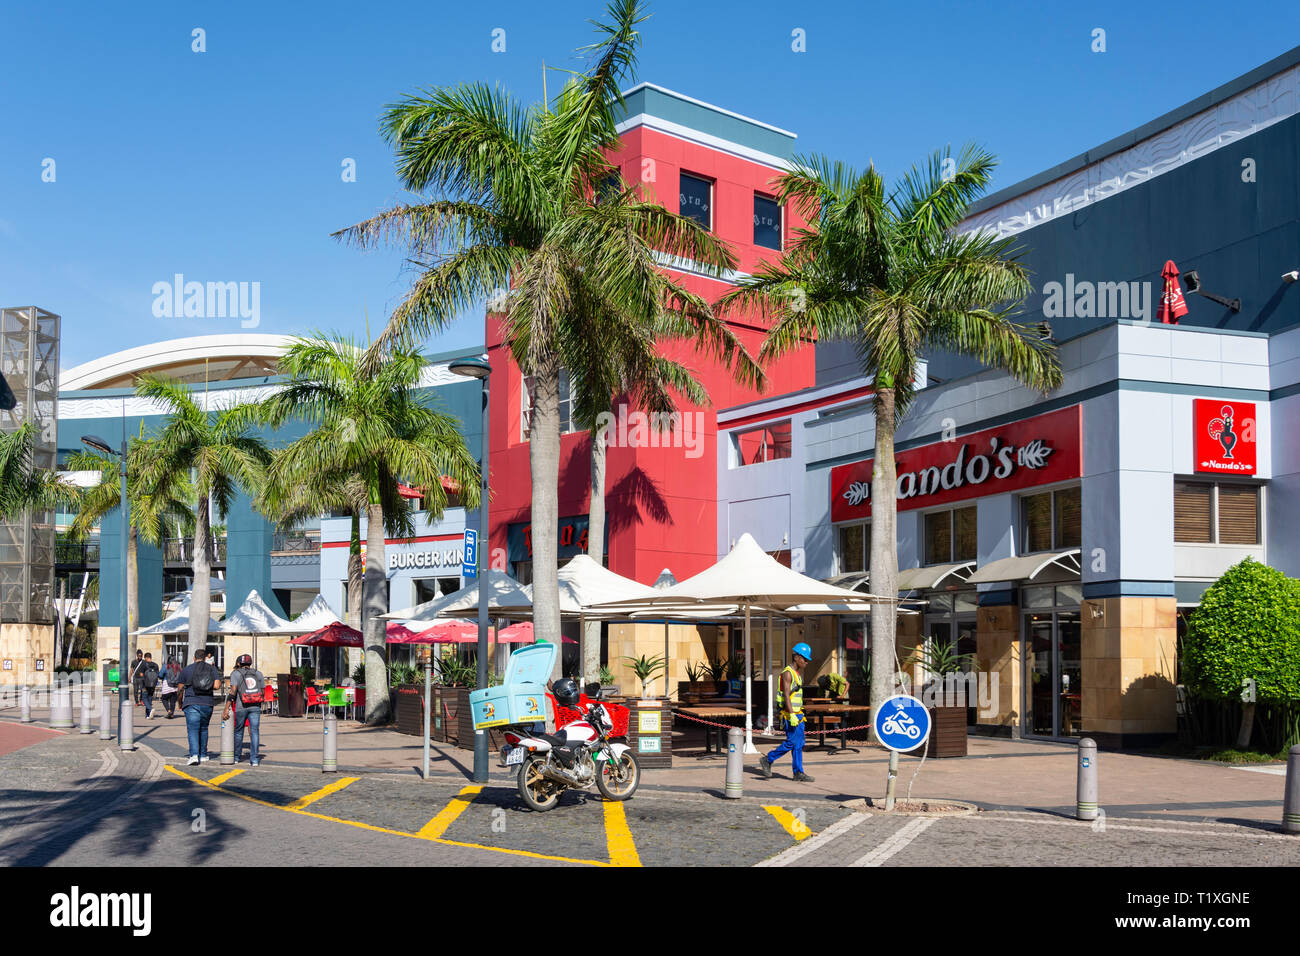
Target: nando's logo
x: 1039, y: 450
x: 1224, y: 436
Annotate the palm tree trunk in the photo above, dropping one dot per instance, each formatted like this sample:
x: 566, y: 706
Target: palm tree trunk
x: 544, y: 463
x: 132, y: 582
x: 884, y: 550
x: 373, y: 626
x: 201, y: 590
x: 356, y: 575
x: 595, y: 548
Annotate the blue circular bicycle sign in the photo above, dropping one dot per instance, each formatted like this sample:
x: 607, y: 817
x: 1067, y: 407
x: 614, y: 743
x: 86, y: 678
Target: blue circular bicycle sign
x: 903, y: 723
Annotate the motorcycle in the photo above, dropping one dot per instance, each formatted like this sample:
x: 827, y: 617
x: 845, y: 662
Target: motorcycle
x: 578, y: 755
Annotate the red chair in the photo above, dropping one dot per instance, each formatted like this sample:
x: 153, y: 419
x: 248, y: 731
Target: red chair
x: 360, y: 703
x: 316, y: 699
x: 269, y: 705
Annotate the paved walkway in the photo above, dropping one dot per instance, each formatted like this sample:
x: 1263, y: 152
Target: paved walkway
x: 999, y: 774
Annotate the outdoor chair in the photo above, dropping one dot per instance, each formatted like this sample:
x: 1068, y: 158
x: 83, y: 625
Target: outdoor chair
x: 269, y: 703
x: 359, y: 703
x: 337, y: 698
x: 315, y: 699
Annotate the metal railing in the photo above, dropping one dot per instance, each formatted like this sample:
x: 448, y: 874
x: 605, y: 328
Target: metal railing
x: 181, y: 550
x: 76, y: 553
x: 295, y: 542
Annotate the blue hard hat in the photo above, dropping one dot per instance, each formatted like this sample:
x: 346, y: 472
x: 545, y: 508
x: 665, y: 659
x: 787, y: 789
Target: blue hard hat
x: 804, y: 651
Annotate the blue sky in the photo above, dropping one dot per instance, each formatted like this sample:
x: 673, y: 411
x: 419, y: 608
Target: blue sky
x: 225, y: 165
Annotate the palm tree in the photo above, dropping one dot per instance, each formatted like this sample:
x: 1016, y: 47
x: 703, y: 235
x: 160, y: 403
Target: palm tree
x: 167, y: 504
x: 21, y: 485
x: 371, y: 430
x: 892, y: 274
x: 223, y: 458
x: 514, y: 206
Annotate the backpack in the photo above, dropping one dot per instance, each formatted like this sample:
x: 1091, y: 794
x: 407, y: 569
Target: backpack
x: 150, y: 678
x: 251, y: 686
x: 202, y: 679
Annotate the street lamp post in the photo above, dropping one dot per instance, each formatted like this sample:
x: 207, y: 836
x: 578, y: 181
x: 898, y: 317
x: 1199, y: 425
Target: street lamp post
x: 125, y: 730
x: 480, y: 369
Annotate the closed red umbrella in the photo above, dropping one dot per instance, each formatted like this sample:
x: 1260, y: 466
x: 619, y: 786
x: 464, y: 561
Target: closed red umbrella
x: 522, y: 633
x: 337, y: 634
x: 1172, y: 306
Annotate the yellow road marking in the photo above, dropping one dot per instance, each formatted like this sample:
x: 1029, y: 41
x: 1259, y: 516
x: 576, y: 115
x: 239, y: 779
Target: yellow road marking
x: 222, y: 778
x: 618, y: 837
x: 323, y: 792
x: 288, y: 808
x: 448, y: 814
x: 793, y: 825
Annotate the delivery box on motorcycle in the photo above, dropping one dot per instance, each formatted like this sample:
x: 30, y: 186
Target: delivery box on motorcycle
x: 521, y: 699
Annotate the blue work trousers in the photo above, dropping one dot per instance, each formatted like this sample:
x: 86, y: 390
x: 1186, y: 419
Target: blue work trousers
x: 793, y: 743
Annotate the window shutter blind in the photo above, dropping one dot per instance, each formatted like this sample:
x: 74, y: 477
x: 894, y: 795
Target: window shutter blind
x: 1238, y: 514
x: 1193, y: 512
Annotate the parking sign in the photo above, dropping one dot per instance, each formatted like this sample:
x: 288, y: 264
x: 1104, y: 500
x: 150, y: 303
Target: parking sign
x: 469, y: 563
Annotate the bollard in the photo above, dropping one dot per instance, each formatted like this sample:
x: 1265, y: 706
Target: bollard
x: 329, y: 759
x: 25, y: 705
x: 125, y: 720
x: 61, y: 706
x: 1087, y: 797
x: 105, y: 715
x: 85, y: 710
x: 735, y: 786
x: 228, y: 742
x: 1291, y: 802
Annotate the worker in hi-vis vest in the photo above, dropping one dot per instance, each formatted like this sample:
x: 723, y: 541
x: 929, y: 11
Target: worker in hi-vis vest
x: 790, y: 700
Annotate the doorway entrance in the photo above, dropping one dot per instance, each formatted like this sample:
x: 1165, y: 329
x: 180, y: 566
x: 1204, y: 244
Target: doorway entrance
x: 1052, y: 650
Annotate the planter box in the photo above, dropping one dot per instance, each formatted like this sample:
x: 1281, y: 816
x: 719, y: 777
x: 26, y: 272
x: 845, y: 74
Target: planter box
x: 408, y: 704
x: 947, y: 731
x: 654, y: 748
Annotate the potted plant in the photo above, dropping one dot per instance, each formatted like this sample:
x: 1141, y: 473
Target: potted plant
x: 947, y: 722
x: 645, y: 668
x: 607, y: 686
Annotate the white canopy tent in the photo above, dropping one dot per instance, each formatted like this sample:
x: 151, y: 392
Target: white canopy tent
x: 503, y: 591
x: 253, y: 617
x: 178, y: 622
x: 316, y: 615
x: 752, y: 580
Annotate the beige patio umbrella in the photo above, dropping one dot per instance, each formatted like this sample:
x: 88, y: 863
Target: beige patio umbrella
x: 752, y: 580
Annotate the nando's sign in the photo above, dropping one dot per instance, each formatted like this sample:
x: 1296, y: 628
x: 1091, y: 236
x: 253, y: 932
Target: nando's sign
x: 1035, y: 451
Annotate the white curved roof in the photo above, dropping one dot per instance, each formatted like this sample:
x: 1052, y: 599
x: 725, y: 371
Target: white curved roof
x: 217, y: 358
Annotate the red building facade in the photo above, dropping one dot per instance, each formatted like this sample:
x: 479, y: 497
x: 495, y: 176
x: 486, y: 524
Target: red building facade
x: 662, y: 502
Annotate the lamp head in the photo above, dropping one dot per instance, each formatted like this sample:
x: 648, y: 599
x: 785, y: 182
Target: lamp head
x: 97, y: 443
x: 472, y: 367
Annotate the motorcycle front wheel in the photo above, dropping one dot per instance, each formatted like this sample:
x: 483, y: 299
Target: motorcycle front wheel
x: 618, y: 777
x: 538, y: 792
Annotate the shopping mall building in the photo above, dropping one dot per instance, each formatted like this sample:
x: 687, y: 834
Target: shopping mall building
x: 1060, y: 537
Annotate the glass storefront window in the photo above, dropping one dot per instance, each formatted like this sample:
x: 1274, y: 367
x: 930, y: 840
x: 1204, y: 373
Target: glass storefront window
x: 967, y: 601
x: 1053, y: 519
x: 1069, y: 517
x: 1036, y: 517
x: 938, y: 603
x: 853, y: 548
x: 767, y: 222
x: 965, y: 539
x: 1036, y: 597
x: 1069, y: 595
x: 951, y: 536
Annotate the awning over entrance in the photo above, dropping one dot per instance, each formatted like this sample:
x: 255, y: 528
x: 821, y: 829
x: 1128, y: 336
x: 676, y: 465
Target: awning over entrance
x: 916, y: 579
x: 1027, y: 567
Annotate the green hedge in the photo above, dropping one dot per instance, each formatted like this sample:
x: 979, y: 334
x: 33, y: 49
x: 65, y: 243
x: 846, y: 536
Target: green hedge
x: 1248, y: 625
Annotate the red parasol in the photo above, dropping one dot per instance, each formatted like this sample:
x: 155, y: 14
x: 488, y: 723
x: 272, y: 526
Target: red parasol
x: 397, y: 633
x: 337, y: 634
x: 448, y: 632
x: 522, y: 633
x: 1172, y: 306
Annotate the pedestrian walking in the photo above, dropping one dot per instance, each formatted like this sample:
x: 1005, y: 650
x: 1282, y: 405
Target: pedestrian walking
x: 790, y: 699
x: 247, y: 685
x: 148, y: 684
x: 167, y: 687
x: 196, y: 683
x: 137, y: 678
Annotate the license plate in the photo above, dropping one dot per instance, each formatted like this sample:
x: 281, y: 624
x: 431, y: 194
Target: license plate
x: 515, y: 755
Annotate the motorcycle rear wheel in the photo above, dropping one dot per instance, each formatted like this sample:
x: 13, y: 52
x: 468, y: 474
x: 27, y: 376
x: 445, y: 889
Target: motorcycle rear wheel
x: 618, y: 778
x: 538, y: 792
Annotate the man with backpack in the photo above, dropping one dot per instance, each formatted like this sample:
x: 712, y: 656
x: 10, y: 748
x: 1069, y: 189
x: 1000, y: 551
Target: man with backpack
x: 247, y: 685
x: 197, y: 682
x: 137, y: 676
x: 148, y: 684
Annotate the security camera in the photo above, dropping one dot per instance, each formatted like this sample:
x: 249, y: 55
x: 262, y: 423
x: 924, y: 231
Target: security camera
x: 1291, y: 276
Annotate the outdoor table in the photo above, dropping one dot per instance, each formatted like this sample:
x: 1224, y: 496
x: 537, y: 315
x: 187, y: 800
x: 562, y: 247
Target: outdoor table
x: 710, y: 732
x: 844, y: 711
